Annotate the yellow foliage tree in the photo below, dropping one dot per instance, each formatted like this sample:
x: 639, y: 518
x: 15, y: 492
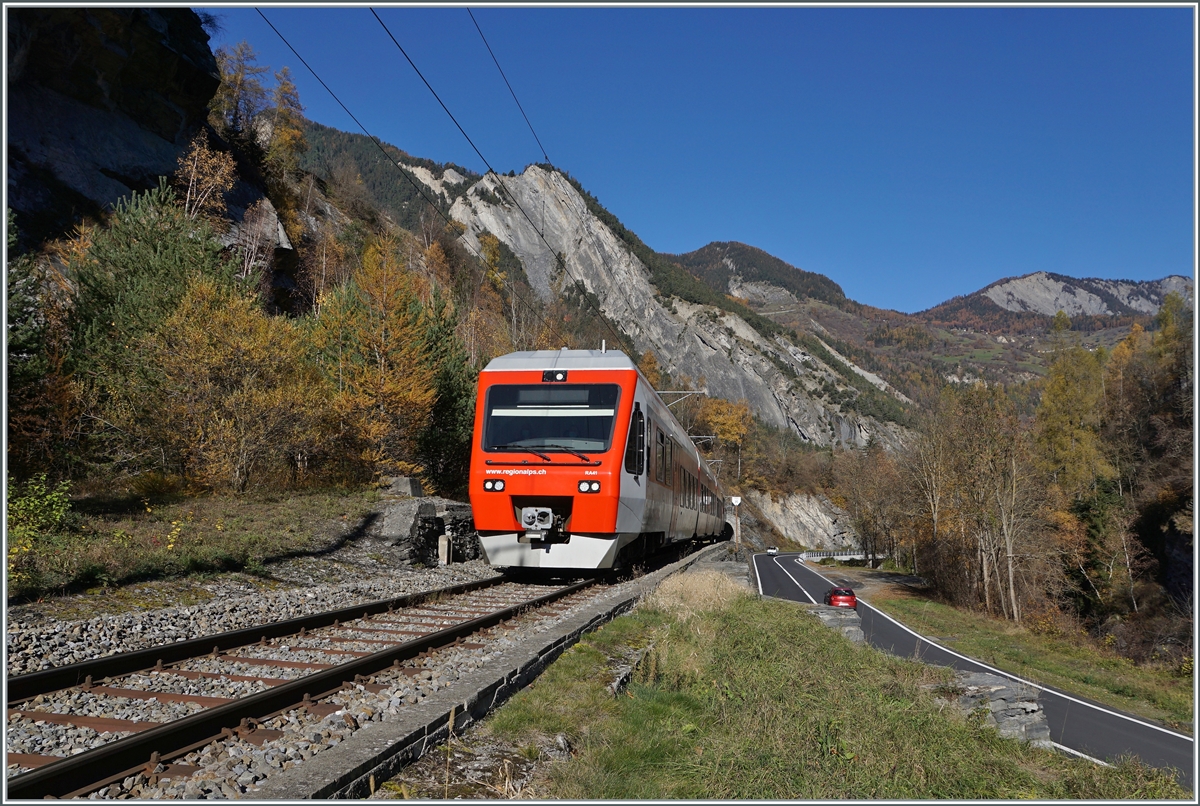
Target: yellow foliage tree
x: 728, y: 422
x: 650, y: 368
x: 203, y: 178
x: 230, y: 397
x: 1068, y: 421
x: 368, y: 340
x: 322, y: 267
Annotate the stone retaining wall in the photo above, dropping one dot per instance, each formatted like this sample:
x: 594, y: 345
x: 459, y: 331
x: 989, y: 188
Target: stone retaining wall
x: 1010, y: 707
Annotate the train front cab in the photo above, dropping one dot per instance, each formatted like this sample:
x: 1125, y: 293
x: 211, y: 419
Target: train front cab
x: 548, y: 480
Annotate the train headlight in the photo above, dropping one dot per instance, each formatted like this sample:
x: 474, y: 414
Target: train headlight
x: 587, y: 486
x: 493, y: 485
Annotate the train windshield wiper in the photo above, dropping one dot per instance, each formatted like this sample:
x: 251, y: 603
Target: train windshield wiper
x: 571, y: 451
x: 525, y: 448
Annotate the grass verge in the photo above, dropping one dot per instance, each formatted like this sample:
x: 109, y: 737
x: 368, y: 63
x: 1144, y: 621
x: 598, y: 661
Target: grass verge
x: 746, y: 698
x: 113, y: 541
x: 1070, y: 663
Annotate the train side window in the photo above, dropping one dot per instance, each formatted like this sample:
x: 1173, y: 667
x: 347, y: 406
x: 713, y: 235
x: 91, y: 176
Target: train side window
x: 635, y: 446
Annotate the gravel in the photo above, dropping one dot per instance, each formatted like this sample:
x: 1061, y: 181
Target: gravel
x: 34, y: 642
x: 36, y: 639
x: 233, y: 768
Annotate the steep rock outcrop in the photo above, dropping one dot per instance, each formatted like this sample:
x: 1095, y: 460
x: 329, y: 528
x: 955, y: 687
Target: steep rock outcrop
x: 735, y: 361
x: 1047, y: 294
x: 811, y: 520
x: 100, y: 101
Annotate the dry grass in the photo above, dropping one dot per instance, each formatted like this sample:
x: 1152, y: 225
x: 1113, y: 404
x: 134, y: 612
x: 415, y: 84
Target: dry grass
x: 685, y: 596
x: 119, y: 540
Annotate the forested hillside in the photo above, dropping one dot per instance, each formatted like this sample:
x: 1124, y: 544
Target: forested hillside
x: 361, y: 178
x: 718, y: 261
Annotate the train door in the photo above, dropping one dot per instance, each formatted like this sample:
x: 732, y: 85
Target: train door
x: 635, y: 470
x: 675, y: 482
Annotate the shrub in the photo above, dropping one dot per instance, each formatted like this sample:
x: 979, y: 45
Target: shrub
x: 35, y: 509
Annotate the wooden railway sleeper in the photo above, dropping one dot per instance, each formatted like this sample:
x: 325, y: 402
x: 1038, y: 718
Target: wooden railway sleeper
x: 85, y: 772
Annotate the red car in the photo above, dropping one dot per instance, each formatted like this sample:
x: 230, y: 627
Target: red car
x: 841, y: 597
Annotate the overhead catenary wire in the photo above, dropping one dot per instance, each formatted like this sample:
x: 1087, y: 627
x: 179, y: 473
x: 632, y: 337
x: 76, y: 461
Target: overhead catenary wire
x: 375, y: 140
x: 510, y: 89
x: 587, y: 231
x: 491, y: 170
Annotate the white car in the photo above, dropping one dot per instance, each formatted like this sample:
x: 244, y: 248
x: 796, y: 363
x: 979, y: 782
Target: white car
x: 772, y: 550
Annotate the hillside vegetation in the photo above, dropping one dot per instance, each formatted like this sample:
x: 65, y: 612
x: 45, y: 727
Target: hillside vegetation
x: 711, y: 264
x: 362, y: 179
x: 719, y: 708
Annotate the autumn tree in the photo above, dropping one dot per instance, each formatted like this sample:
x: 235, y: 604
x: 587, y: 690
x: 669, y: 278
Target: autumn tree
x: 286, y: 133
x: 129, y: 277
x: 202, y: 179
x: 1069, y: 419
x: 368, y: 343
x: 44, y: 408
x: 729, y: 423
x: 649, y: 366
x: 867, y: 488
x: 323, y: 267
x: 929, y: 466
x: 241, y: 95
x: 233, y: 399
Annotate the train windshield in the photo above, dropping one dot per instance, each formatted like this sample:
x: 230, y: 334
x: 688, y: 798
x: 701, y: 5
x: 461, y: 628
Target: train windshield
x: 551, y: 417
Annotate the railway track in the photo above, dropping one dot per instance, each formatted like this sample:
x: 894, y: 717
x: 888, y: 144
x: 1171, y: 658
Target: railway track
x: 214, y: 708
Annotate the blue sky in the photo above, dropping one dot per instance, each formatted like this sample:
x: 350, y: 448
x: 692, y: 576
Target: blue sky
x: 909, y: 154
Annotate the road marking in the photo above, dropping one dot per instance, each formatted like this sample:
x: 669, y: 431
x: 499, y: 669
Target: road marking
x: 1011, y: 676
x: 1066, y: 749
x: 793, y: 579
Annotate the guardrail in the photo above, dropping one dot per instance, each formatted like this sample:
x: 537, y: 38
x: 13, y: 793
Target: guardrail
x: 839, y: 555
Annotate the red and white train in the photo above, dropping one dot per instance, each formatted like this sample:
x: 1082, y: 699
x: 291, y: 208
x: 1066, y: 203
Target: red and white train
x: 576, y: 463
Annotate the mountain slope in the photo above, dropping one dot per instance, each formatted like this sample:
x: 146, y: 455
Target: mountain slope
x: 720, y: 264
x: 1046, y: 293
x: 789, y: 385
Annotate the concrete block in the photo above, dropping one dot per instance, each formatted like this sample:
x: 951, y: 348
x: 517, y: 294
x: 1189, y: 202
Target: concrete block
x: 406, y: 486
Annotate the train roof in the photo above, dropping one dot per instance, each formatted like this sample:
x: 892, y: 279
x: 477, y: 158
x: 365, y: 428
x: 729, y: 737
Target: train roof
x: 561, y: 359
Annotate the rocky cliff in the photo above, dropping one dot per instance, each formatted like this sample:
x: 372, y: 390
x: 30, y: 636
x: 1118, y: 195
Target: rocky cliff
x: 100, y: 101
x: 811, y: 520
x: 1047, y: 294
x: 542, y: 216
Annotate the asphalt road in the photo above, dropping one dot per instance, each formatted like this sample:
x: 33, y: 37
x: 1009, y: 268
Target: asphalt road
x: 1076, y: 725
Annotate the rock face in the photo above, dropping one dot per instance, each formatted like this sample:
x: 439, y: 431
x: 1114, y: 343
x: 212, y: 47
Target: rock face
x: 810, y: 520
x: 841, y: 619
x: 1045, y: 293
x: 734, y: 361
x: 100, y: 101
x: 1012, y: 708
